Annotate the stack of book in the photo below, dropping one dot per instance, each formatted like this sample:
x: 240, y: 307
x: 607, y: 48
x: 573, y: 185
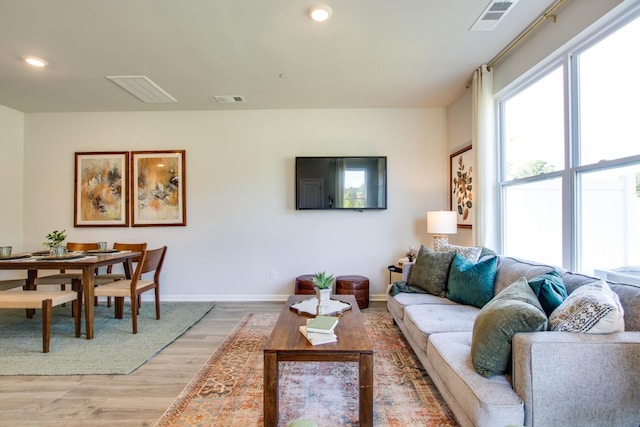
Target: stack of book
x: 320, y: 330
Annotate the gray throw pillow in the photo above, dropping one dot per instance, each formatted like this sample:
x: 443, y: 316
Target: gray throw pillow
x: 431, y: 271
x: 515, y: 309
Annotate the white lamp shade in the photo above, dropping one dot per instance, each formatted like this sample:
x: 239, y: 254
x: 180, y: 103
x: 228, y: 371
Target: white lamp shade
x: 442, y: 222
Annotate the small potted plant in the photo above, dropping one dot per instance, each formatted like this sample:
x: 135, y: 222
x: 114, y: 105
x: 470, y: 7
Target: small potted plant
x: 323, y: 283
x: 54, y: 242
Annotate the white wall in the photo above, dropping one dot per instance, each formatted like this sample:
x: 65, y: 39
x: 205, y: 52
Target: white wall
x: 11, y: 163
x: 571, y: 20
x: 459, y: 136
x: 242, y: 223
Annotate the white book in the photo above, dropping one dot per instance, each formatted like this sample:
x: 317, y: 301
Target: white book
x: 317, y: 338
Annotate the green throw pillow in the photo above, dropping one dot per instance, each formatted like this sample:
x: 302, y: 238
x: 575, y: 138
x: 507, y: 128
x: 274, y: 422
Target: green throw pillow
x: 515, y: 309
x: 550, y: 290
x: 470, y: 283
x: 431, y: 271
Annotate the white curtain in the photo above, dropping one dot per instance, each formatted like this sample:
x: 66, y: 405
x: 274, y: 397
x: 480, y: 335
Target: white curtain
x: 483, y: 139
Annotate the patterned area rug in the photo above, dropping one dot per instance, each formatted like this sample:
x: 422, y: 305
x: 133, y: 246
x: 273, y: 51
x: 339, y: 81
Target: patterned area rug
x: 227, y: 391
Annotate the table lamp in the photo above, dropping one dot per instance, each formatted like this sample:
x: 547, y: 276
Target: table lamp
x: 441, y: 223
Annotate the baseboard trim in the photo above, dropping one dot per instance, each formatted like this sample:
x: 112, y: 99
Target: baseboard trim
x: 236, y: 298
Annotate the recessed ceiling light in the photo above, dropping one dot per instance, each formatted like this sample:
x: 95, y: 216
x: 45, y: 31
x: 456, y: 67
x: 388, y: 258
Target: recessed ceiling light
x: 35, y: 61
x: 320, y: 12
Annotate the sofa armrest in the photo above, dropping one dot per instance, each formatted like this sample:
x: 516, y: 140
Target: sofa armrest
x: 578, y: 379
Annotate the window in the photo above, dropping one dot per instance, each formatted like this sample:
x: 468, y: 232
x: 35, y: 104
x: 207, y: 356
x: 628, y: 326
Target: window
x: 570, y: 174
x: 531, y: 148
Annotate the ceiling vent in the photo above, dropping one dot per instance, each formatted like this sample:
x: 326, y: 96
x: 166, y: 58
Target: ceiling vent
x: 492, y: 15
x: 143, y: 88
x: 229, y: 99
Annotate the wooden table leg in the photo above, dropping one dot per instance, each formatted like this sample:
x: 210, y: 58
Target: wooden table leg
x: 30, y: 285
x: 366, y: 389
x: 88, y: 276
x: 46, y: 324
x: 270, y: 389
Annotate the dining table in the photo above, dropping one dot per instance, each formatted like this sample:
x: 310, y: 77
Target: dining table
x: 89, y: 262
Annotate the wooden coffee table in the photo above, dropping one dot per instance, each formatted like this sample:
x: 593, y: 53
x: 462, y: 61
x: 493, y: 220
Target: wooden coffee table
x: 286, y: 344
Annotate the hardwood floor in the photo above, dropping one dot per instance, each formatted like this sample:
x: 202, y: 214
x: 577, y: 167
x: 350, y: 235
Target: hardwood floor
x: 138, y: 399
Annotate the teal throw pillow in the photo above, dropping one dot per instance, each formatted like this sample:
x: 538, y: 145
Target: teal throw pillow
x: 431, y: 271
x: 470, y: 283
x: 550, y: 290
x: 515, y: 309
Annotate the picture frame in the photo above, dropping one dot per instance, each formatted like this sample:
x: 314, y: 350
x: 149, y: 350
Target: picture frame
x: 158, y: 188
x: 461, y: 184
x: 101, y: 189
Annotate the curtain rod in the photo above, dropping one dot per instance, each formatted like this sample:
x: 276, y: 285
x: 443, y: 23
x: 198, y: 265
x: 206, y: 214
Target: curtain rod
x: 549, y: 13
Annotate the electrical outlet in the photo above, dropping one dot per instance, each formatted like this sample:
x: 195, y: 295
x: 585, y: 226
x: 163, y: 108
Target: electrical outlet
x: 273, y: 275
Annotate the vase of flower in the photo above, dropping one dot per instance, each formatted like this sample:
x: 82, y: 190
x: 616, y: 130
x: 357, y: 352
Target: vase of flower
x: 54, y: 243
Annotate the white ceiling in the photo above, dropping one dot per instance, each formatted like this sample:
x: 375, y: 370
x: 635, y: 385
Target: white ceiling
x: 370, y: 54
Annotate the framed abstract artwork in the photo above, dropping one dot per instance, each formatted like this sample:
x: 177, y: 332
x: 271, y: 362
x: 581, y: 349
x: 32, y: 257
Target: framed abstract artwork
x: 158, y: 188
x: 101, y: 197
x: 461, y: 186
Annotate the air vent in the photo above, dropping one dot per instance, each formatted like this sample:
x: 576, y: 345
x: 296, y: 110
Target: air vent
x: 229, y: 99
x: 492, y: 15
x: 143, y: 88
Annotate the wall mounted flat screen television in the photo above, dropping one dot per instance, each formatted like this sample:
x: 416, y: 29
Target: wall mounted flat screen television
x: 355, y: 183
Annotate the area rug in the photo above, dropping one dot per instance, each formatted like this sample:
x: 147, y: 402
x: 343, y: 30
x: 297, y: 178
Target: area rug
x: 113, y: 350
x: 228, y: 389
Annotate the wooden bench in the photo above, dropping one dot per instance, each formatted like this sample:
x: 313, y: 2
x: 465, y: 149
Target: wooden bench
x: 11, y: 283
x: 45, y: 300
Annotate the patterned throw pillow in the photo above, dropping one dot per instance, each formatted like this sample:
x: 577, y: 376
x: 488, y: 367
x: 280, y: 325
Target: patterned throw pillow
x: 431, y: 271
x: 472, y: 253
x: 591, y: 309
x: 515, y: 309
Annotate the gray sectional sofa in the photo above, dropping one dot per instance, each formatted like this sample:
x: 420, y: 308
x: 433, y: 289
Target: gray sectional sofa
x: 556, y: 378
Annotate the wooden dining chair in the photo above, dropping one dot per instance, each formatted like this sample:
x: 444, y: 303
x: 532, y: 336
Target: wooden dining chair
x: 150, y: 262
x: 73, y: 278
x: 109, y: 276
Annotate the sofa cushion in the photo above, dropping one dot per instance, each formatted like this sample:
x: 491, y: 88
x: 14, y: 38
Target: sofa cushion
x: 424, y: 320
x: 630, y: 301
x: 431, y: 271
x: 550, y: 290
x: 397, y: 304
x: 484, y: 401
x: 515, y: 309
x: 511, y: 269
x: 472, y: 253
x: 592, y: 308
x: 470, y: 283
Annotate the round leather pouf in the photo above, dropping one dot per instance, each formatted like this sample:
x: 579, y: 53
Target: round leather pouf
x: 304, y: 285
x: 357, y: 286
